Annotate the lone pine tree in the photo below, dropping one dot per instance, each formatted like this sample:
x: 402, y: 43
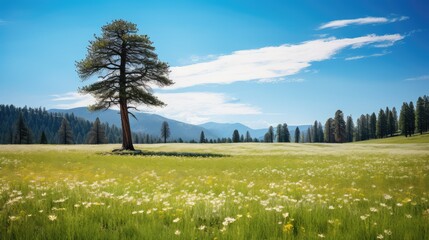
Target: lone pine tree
x: 125, y: 64
x: 165, y: 131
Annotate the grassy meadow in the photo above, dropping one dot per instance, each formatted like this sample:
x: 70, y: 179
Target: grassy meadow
x: 259, y: 191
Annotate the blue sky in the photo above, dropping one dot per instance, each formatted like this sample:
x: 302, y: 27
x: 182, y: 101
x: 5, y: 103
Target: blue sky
x: 256, y: 62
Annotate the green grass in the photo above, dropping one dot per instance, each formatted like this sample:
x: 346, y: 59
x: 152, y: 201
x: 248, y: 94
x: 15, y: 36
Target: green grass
x: 417, y: 138
x: 259, y: 191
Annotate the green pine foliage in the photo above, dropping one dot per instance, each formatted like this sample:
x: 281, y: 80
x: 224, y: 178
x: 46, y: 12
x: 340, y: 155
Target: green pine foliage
x: 165, y: 131
x: 43, y: 139
x: 97, y: 133
x: 202, y: 137
x: 349, y: 129
x: 22, y: 132
x: 65, y: 134
x: 297, y: 135
x: 420, y: 115
x: 339, y: 127
x: 40, y: 121
x: 127, y: 64
x: 235, y: 136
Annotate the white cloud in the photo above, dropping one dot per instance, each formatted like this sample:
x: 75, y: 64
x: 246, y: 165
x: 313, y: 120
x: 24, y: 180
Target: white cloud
x: 189, y: 107
x: 200, y: 107
x: 268, y: 62
x: 361, y: 21
x: 367, y: 56
x: 354, y: 58
x: 357, y: 21
x: 419, y: 78
x: 281, y: 79
x: 72, y: 100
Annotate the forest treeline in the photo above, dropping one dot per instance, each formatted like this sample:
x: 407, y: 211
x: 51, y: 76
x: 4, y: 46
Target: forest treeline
x: 36, y: 125
x: 340, y: 129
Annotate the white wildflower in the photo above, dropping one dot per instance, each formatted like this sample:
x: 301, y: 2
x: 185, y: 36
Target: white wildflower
x: 52, y: 217
x: 176, y: 220
x: 202, y: 227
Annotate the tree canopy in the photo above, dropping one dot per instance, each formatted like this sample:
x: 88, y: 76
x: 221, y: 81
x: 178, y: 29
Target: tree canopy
x: 126, y: 65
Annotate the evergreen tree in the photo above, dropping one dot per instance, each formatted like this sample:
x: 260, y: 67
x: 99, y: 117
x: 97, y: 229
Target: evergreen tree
x: 43, y: 139
x: 329, y: 131
x: 404, y: 120
x: 303, y: 137
x: 235, y: 136
x: 426, y: 98
x: 248, y: 137
x: 381, y: 124
x: 165, y: 131
x: 391, y: 123
x: 420, y: 115
x: 286, y: 133
x: 388, y: 115
x: 412, y: 116
x: 297, y: 135
x: 22, y: 132
x: 358, y: 132
x: 267, y: 137
x: 65, y: 134
x: 271, y: 134
x: 363, y: 128
x: 349, y: 129
x: 202, y: 137
x: 373, y: 126
x: 321, y: 134
x: 279, y: 133
x: 308, y: 137
x: 127, y: 64
x: 97, y: 133
x: 340, y: 127
x: 315, y: 132
x: 395, y: 120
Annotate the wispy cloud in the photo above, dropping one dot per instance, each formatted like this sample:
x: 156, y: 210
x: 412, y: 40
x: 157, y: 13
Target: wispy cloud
x: 72, y: 100
x: 190, y: 107
x: 367, y: 56
x: 360, y: 21
x: 2, y: 22
x: 269, y: 62
x: 281, y: 79
x: 419, y: 78
x: 200, y: 107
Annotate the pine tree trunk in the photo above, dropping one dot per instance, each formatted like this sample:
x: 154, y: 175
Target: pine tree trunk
x: 127, y: 142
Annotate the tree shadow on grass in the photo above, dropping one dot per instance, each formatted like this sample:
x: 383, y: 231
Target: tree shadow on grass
x: 168, y: 154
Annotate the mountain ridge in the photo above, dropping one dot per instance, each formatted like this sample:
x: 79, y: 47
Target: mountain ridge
x: 151, y: 124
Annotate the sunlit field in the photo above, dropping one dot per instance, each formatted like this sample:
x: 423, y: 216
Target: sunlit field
x: 259, y: 191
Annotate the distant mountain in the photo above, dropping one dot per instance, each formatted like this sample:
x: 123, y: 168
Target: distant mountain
x: 226, y: 129
x: 145, y: 123
x: 151, y: 124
